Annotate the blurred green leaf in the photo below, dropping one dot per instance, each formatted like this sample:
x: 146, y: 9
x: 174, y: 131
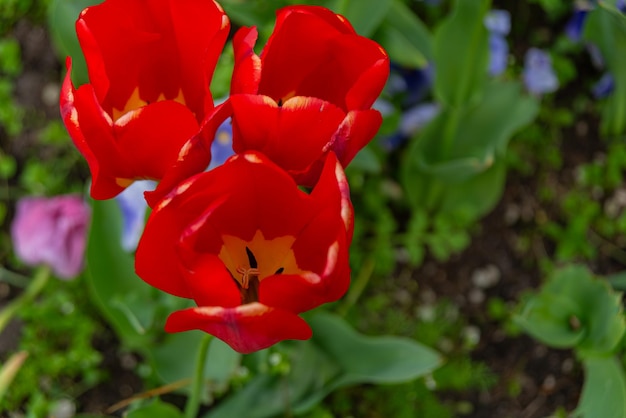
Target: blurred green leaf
x: 604, y: 391
x: 367, y: 161
x: 606, y: 28
x: 156, y: 409
x: 123, y: 298
x: 366, y: 15
x: 405, y: 38
x: 173, y: 358
x: 468, y: 171
x: 575, y: 310
x: 62, y: 16
x: 461, y: 53
x: 337, y: 356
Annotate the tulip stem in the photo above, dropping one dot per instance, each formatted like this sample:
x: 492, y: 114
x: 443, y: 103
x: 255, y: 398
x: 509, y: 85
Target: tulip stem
x: 193, y: 402
x: 32, y: 290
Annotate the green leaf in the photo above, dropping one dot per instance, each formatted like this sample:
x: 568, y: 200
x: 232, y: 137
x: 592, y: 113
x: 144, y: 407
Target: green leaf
x: 268, y: 395
x: 156, y: 409
x: 575, y: 309
x: 479, y: 194
x: 337, y: 356
x: 461, y: 53
x: 124, y: 299
x: 606, y: 28
x: 173, y: 358
x: 364, y: 359
x: 62, y: 15
x: 405, y: 38
x: 604, y: 391
x: 366, y: 15
x: 618, y: 281
x: 440, y: 176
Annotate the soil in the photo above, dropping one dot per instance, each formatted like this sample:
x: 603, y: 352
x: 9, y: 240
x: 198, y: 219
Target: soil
x: 549, y: 378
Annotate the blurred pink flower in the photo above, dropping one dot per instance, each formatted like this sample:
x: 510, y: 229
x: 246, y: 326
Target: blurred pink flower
x: 52, y: 231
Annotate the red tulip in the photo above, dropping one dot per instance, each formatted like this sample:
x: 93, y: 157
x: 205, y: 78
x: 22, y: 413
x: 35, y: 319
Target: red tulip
x: 251, y: 249
x: 309, y: 92
x: 150, y: 65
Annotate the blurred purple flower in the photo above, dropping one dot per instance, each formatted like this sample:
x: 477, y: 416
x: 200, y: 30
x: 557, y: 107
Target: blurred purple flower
x: 52, y: 231
x: 133, y: 206
x: 498, y: 22
x: 412, y: 84
x: 411, y: 122
x: 538, y: 75
x: 603, y: 87
x: 574, y: 26
x: 222, y: 146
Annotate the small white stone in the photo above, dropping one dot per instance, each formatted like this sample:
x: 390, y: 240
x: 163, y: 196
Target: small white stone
x: 486, y: 277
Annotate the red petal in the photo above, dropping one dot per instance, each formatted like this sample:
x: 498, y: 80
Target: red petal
x: 327, y: 65
x: 160, y: 47
x: 247, y: 328
x: 364, y: 92
x: 247, y: 69
x: 333, y: 187
x: 355, y: 132
x: 194, y: 156
x: 91, y: 131
x: 152, y: 136
x: 297, y: 294
x: 210, y: 283
x: 260, y: 124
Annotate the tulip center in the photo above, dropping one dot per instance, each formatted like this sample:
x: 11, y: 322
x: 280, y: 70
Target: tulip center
x: 250, y: 262
x: 135, y: 102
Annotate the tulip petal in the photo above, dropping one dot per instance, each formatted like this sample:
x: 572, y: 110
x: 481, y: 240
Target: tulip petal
x: 161, y: 48
x: 247, y: 69
x: 194, y: 156
x: 152, y: 136
x: 91, y: 131
x: 277, y: 131
x: 210, y: 283
x: 246, y: 328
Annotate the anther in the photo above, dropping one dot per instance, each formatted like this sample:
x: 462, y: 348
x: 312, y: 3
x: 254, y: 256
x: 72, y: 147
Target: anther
x: 246, y: 273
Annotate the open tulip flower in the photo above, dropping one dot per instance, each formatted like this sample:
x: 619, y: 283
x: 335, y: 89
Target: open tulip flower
x: 150, y: 64
x: 309, y: 92
x: 251, y: 249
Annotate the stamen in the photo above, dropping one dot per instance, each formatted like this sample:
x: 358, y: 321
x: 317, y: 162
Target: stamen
x: 280, y: 270
x: 246, y: 273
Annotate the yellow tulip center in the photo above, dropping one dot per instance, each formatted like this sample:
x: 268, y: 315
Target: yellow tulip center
x: 249, y: 262
x: 135, y: 102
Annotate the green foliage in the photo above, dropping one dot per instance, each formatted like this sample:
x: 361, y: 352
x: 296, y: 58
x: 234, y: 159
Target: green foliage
x: 404, y: 36
x: 337, y: 356
x: 57, y: 334
x: 575, y: 310
x: 604, y: 392
x: 137, y: 311
x: 606, y: 28
x: 461, y: 75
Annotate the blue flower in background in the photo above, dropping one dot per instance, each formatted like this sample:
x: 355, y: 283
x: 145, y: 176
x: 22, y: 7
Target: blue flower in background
x: 222, y: 146
x: 603, y: 87
x: 413, y: 83
x: 573, y: 30
x: 498, y: 22
x: 538, y: 75
x: 411, y: 122
x: 574, y: 26
x: 133, y: 207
